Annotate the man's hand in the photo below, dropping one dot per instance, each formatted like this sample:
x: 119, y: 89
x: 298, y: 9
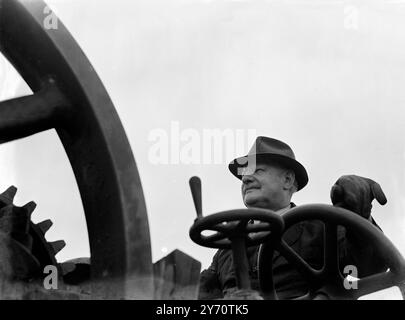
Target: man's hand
x: 356, y: 193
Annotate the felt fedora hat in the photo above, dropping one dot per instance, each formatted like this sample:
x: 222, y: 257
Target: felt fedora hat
x: 269, y: 150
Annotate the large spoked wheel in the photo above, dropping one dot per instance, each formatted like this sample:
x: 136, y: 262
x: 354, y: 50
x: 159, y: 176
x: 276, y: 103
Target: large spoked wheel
x: 329, y: 280
x: 69, y: 96
x: 237, y: 230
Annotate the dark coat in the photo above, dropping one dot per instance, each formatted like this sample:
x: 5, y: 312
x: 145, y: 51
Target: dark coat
x: 306, y: 238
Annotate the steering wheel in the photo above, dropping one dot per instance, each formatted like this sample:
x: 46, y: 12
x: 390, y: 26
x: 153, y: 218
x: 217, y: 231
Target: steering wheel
x: 329, y: 280
x: 237, y: 230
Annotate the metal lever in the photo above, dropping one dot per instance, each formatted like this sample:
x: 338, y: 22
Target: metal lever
x: 195, y: 186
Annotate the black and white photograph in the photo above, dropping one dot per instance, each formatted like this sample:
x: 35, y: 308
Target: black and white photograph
x: 206, y: 150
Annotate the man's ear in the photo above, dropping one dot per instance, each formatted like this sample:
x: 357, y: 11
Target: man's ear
x: 289, y: 178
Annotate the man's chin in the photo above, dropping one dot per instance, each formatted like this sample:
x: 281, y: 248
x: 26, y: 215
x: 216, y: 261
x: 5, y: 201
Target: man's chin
x: 253, y: 202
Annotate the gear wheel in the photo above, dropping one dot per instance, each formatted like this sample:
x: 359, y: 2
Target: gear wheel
x: 43, y: 250
x: 26, y: 240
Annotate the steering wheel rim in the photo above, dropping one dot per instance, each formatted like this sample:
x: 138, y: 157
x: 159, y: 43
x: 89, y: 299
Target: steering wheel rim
x: 267, y: 223
x: 233, y: 231
x: 332, y: 217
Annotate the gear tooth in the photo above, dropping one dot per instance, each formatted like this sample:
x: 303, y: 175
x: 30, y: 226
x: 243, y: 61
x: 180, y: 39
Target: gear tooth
x: 7, y: 196
x: 57, y: 245
x: 11, y: 191
x: 45, y: 225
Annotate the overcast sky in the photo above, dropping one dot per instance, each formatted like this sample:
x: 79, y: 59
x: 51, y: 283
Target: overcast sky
x: 327, y: 77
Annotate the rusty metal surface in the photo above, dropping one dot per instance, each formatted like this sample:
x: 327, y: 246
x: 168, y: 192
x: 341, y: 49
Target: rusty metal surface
x: 176, y: 277
x: 93, y: 138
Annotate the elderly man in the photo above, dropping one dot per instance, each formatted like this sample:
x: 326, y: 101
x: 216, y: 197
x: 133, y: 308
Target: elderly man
x: 270, y: 175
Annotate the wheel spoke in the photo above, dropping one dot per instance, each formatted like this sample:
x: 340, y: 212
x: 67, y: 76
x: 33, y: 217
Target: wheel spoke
x: 331, y: 262
x: 374, y: 283
x: 24, y: 116
x: 215, y: 237
x: 258, y: 227
x: 242, y: 225
x: 311, y: 275
x: 222, y: 227
x: 230, y: 227
x: 257, y: 237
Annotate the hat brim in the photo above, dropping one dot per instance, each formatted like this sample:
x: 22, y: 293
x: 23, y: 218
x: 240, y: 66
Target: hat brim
x: 299, y: 170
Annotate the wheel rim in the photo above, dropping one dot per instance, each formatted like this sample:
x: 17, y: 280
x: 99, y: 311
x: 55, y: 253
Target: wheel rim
x: 270, y: 224
x: 331, y: 217
x: 233, y: 231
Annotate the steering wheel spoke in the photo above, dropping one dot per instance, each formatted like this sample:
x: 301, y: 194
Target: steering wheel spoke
x: 257, y: 238
x: 331, y: 254
x: 310, y: 274
x: 374, y: 283
x: 258, y: 227
x: 223, y: 227
x: 215, y: 237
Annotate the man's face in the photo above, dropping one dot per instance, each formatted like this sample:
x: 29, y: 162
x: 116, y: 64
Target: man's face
x: 262, y: 187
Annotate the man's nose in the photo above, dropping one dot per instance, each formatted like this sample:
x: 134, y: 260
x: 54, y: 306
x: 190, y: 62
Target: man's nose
x: 247, y: 178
